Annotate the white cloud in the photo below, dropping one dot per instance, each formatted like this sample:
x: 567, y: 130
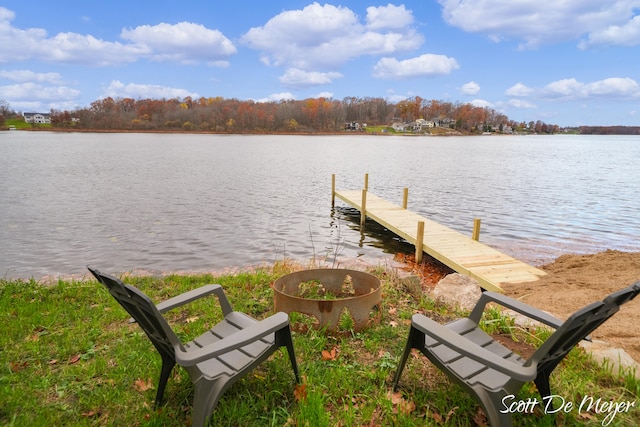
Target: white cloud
x: 37, y: 92
x: 614, y: 86
x: 520, y: 104
x: 620, y: 88
x: 481, y: 103
x: 297, y: 78
x: 388, y: 17
x: 540, y: 22
x: 471, y: 88
x: 30, y: 76
x: 117, y: 89
x: 627, y: 34
x: 325, y: 37
x: 421, y: 66
x: 183, y: 42
x: 519, y: 90
x: 325, y: 95
x: 276, y: 97
x: 32, y: 96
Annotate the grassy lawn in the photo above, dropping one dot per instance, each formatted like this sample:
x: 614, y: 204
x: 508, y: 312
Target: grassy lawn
x: 69, y: 357
x: 20, y: 124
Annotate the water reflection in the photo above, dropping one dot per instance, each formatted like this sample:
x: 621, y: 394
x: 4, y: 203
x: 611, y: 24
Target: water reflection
x: 372, y: 234
x: 209, y: 202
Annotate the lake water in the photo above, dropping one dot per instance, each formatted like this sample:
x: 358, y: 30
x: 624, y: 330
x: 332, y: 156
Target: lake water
x: 175, y: 202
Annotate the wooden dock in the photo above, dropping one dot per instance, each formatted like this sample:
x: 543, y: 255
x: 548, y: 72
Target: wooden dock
x: 466, y: 255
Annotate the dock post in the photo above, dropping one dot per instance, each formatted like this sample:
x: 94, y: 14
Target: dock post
x: 476, y: 229
x: 419, y: 242
x: 405, y: 198
x: 363, y: 210
x: 366, y: 181
x: 333, y: 189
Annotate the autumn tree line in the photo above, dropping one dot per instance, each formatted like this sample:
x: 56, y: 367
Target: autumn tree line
x: 310, y: 115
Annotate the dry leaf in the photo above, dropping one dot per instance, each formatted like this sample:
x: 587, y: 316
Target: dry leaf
x: 480, y: 418
x: 451, y: 413
x: 329, y: 355
x: 192, y: 319
x: 393, y: 323
x: 401, y: 405
x: 75, y: 359
x: 584, y: 416
x: 53, y: 361
x: 395, y: 397
x: 18, y: 366
x: 143, y: 385
x: 393, y: 311
x: 406, y: 407
x: 435, y: 416
x: 88, y: 414
x: 300, y: 392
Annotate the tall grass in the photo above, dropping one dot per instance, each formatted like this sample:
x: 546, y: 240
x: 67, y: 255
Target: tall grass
x: 68, y: 356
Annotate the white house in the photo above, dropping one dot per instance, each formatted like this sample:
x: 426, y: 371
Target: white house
x: 37, y: 118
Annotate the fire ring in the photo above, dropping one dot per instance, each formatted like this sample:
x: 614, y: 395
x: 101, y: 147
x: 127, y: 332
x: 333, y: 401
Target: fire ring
x: 325, y: 294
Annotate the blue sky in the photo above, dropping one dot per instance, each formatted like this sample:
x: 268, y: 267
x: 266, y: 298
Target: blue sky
x: 569, y: 62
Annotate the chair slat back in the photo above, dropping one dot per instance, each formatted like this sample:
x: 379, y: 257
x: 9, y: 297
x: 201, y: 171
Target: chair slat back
x: 143, y: 310
x: 579, y: 325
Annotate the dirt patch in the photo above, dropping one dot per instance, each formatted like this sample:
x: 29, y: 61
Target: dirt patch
x: 573, y: 281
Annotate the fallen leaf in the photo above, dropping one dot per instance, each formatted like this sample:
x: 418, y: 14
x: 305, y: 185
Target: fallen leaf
x: 300, y: 392
x: 480, y: 418
x: 393, y: 311
x: 584, y: 416
x: 401, y: 405
x: 393, y: 323
x: 192, y: 319
x: 53, y: 361
x: 395, y: 397
x: 435, y: 416
x: 75, y: 359
x: 142, y: 384
x: 329, y: 355
x: 18, y: 366
x: 451, y: 413
x: 88, y: 414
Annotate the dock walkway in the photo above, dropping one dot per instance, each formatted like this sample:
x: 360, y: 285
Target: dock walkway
x: 463, y: 254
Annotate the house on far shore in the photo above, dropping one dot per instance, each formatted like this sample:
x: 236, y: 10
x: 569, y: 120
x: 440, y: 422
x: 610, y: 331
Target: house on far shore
x: 39, y: 118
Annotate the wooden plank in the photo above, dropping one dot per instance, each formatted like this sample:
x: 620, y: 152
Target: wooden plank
x: 462, y: 253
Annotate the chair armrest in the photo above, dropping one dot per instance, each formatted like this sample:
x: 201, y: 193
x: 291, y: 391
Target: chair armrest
x: 515, y: 305
x: 471, y: 350
x: 193, y: 295
x: 239, y: 339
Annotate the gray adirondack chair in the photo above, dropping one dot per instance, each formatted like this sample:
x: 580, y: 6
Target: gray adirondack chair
x: 214, y: 360
x: 487, y: 370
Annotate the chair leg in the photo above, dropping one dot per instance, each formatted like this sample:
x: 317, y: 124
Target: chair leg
x: 490, y: 404
x: 165, y: 372
x: 283, y: 338
x: 206, y: 396
x: 414, y: 335
x: 542, y: 383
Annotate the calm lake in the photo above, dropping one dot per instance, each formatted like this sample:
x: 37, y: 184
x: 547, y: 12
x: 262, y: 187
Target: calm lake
x: 175, y: 202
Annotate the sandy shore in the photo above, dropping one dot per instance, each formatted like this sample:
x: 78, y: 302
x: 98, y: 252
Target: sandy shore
x: 573, y: 281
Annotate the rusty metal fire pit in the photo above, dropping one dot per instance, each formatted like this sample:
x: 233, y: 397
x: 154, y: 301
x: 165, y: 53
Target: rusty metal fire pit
x: 362, y: 298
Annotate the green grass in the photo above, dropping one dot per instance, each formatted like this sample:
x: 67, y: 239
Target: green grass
x: 19, y: 123
x: 69, y: 357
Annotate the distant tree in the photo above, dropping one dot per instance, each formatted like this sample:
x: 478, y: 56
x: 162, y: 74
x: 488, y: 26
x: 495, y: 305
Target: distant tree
x: 5, y: 109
